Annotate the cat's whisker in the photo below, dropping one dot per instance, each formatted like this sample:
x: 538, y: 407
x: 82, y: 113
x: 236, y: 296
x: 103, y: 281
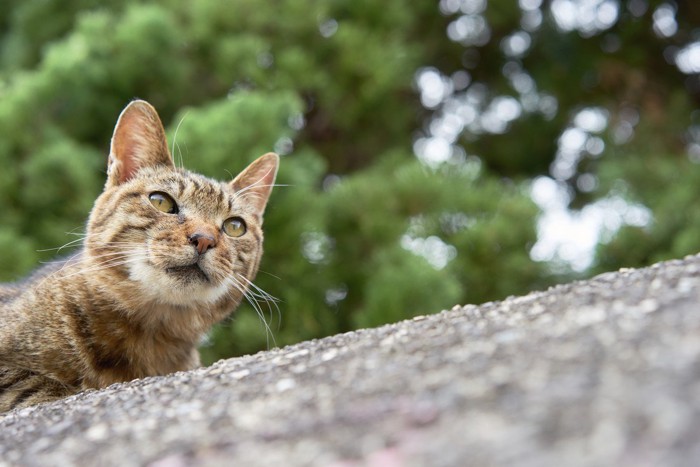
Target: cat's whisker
x: 111, y: 260
x: 111, y: 257
x: 134, y: 252
x: 257, y: 184
x: 176, y: 144
x: 245, y: 192
x: 268, y: 331
x: 119, y: 246
x: 258, y: 293
x: 69, y: 244
x: 253, y: 186
x: 79, y: 234
x: 107, y: 259
x: 82, y: 236
x: 263, y: 294
x: 269, y: 274
x: 103, y: 266
x: 251, y: 299
x: 92, y: 270
x: 65, y: 263
x: 96, y: 242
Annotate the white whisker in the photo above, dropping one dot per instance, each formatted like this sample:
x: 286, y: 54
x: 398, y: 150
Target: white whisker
x: 175, y: 144
x: 269, y: 274
x: 252, y: 299
x: 67, y: 245
x: 256, y: 184
x: 256, y: 293
x: 108, y: 264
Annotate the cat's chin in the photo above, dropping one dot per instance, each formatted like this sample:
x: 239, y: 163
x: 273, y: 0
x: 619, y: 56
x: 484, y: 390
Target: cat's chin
x: 189, y: 273
x: 180, y: 286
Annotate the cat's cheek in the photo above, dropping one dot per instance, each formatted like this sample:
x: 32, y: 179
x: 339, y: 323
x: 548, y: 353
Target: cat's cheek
x: 150, y: 280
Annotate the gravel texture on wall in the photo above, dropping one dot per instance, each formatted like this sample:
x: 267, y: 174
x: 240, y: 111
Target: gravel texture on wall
x: 598, y: 372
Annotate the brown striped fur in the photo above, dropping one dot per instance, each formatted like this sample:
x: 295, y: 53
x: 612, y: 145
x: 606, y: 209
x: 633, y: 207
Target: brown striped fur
x: 141, y: 293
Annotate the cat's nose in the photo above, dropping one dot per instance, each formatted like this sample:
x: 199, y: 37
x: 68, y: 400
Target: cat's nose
x: 202, y: 241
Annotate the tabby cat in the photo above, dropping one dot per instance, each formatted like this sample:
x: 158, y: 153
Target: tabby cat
x: 167, y: 254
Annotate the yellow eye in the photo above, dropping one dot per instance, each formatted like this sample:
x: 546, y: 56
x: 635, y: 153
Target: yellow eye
x: 163, y: 202
x: 234, y: 227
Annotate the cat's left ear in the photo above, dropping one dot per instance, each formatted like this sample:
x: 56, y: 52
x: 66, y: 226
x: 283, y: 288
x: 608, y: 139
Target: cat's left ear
x: 256, y: 181
x: 138, y: 142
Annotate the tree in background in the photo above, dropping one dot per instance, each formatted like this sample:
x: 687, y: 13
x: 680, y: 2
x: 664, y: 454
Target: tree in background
x: 413, y: 138
x: 593, y: 99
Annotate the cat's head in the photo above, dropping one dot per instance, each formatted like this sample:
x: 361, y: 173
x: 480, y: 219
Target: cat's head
x: 171, y: 236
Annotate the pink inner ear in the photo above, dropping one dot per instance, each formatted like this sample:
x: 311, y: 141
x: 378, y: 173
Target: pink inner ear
x: 124, y: 148
x: 128, y: 169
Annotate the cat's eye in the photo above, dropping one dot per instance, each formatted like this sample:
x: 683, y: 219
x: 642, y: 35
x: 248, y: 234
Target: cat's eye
x: 163, y: 202
x: 234, y: 227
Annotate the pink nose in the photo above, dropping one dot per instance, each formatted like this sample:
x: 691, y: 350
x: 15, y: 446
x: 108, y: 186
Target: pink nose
x: 202, y: 241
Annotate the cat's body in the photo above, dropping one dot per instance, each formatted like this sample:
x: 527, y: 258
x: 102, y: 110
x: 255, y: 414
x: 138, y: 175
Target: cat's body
x: 167, y: 254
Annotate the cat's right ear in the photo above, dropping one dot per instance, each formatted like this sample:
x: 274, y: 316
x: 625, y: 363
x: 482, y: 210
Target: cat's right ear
x: 138, y: 142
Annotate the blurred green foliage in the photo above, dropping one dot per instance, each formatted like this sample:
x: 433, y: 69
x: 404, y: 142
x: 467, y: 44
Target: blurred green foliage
x: 361, y: 231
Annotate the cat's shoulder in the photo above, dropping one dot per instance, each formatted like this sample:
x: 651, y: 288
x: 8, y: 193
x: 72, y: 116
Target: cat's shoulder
x: 11, y: 289
x: 54, y: 265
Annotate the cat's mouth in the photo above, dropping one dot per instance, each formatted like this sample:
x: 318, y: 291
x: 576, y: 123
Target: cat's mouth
x: 189, y: 272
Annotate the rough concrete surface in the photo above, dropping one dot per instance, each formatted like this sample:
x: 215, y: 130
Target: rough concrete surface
x: 600, y: 372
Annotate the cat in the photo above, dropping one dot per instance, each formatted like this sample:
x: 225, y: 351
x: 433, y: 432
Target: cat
x: 167, y: 254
